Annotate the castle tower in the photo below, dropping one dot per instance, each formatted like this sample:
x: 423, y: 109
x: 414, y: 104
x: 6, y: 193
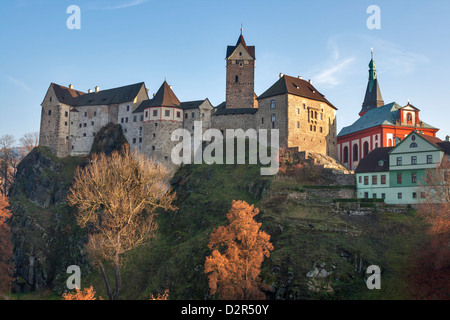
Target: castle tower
x: 240, y: 63
x: 162, y: 115
x: 373, y: 98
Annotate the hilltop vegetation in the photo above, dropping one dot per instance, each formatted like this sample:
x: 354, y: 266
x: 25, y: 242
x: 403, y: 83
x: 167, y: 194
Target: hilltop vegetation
x: 318, y: 252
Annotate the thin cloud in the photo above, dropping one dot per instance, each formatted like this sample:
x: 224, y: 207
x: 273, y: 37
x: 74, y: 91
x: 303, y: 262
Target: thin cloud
x: 332, y: 76
x: 396, y: 59
x: 119, y: 6
x: 18, y: 83
x: 332, y: 71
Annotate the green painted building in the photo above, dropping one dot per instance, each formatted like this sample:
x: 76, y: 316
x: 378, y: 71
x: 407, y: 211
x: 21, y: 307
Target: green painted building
x: 394, y: 173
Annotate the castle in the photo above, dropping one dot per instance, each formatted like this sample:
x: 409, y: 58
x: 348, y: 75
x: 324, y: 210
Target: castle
x: 306, y: 120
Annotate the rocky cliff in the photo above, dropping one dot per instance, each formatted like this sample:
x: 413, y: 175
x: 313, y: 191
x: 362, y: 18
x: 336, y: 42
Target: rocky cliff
x: 45, y: 235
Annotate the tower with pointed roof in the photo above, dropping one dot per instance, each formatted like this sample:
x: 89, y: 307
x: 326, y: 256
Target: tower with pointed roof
x: 373, y: 98
x: 240, y: 75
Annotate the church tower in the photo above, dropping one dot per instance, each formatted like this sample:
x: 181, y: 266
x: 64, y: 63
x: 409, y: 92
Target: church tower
x: 240, y: 88
x: 373, y: 98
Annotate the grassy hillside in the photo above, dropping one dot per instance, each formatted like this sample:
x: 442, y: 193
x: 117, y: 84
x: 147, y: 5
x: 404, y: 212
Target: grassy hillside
x: 307, y: 239
x: 319, y: 253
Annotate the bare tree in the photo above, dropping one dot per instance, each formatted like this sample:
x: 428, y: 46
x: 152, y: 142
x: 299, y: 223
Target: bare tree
x: 118, y: 198
x: 435, y: 194
x: 435, y: 208
x: 8, y: 162
x: 29, y: 141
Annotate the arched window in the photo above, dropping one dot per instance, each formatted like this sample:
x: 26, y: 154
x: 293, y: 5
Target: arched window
x: 355, y: 152
x: 365, y: 148
x: 345, y: 154
x: 413, y: 145
x: 409, y: 118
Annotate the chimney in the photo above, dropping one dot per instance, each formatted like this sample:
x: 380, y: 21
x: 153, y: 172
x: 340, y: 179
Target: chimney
x: 70, y: 86
x: 90, y: 91
x: 170, y: 87
x: 281, y: 75
x: 97, y: 88
x: 300, y: 77
x: 154, y: 94
x: 310, y: 82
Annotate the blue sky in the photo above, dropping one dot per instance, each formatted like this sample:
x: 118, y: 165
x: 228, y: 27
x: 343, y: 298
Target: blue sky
x: 184, y: 41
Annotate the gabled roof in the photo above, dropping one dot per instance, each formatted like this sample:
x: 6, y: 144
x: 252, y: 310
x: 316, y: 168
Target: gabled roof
x: 241, y: 40
x: 66, y: 95
x: 376, y: 161
x: 164, y: 97
x: 294, y: 86
x: 186, y: 105
x: 103, y: 97
x: 434, y: 141
x: 384, y: 115
x: 409, y: 105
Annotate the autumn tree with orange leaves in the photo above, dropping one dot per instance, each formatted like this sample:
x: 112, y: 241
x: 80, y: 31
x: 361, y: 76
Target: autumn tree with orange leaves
x: 6, y: 248
x: 86, y: 294
x: 238, y: 251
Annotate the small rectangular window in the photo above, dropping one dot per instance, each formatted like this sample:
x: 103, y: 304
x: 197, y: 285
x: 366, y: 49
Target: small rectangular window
x: 374, y: 179
x: 414, y: 178
x: 413, y: 159
x: 383, y: 179
x: 399, y: 178
x: 366, y: 180
x: 272, y: 104
x: 399, y: 195
x: 178, y: 114
x: 399, y: 161
x: 414, y: 195
x: 429, y: 158
x: 167, y: 113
